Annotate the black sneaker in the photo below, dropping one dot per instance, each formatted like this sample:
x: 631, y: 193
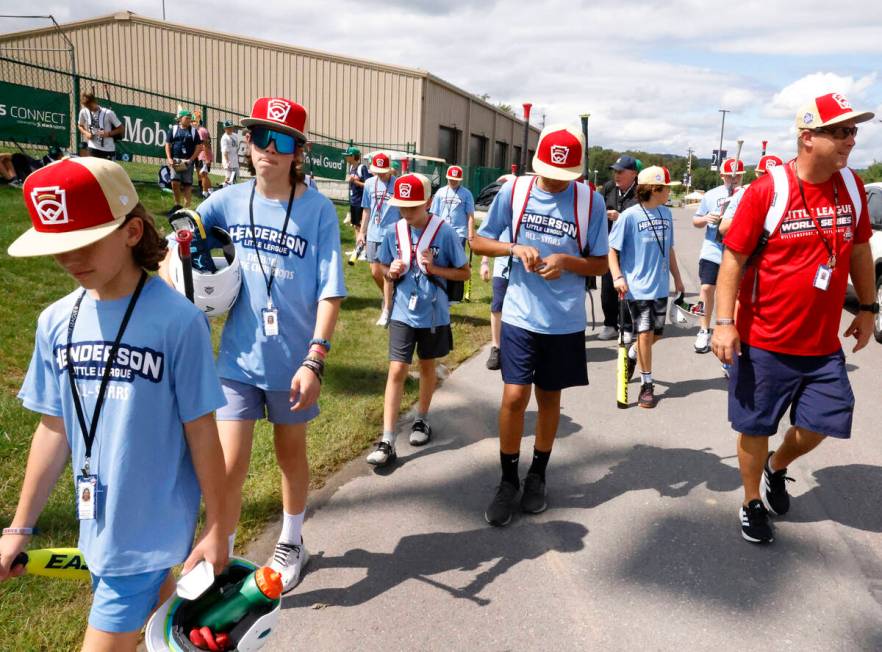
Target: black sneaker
x: 384, y: 454
x: 533, y: 498
x: 420, y: 433
x: 647, y: 396
x: 755, y: 523
x: 501, y: 508
x: 773, y: 489
x: 493, y: 359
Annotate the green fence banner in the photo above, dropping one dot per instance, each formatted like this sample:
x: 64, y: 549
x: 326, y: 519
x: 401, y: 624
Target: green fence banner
x: 145, y: 129
x: 327, y: 162
x: 34, y: 115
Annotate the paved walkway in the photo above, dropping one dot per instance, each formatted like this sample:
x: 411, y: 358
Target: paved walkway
x: 640, y: 548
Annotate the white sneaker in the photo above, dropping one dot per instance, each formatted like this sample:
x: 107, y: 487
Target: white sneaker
x: 384, y: 318
x: 289, y: 559
x: 383, y: 455
x: 702, y: 341
x: 629, y: 337
x: 420, y: 433
x: 607, y: 333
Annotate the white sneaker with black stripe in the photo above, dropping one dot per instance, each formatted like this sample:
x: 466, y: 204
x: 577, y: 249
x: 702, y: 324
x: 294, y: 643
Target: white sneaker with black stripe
x: 289, y: 560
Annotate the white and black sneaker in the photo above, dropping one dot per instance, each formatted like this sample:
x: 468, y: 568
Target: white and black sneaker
x: 383, y: 455
x: 289, y: 560
x: 773, y: 489
x: 420, y: 433
x: 755, y: 523
x: 702, y: 341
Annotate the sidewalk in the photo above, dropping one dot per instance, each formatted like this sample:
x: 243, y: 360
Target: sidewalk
x: 640, y: 546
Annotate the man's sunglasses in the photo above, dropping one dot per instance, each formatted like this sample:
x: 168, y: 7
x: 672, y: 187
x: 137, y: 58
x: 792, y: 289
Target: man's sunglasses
x: 263, y: 136
x: 838, y: 133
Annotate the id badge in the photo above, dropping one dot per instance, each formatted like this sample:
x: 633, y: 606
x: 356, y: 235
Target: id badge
x: 87, y: 497
x: 822, y: 277
x: 270, y: 322
x: 412, y: 303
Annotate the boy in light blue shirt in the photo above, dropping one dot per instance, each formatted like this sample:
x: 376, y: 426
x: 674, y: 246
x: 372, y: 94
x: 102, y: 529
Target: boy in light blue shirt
x: 455, y: 204
x: 420, y: 256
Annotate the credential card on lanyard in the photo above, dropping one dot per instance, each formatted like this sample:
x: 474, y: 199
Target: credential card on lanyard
x: 87, y: 497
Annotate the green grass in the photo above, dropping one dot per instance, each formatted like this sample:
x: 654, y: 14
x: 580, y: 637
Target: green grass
x: 41, y: 614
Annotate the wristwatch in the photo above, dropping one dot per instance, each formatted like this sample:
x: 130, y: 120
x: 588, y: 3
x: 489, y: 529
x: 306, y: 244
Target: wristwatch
x: 869, y: 307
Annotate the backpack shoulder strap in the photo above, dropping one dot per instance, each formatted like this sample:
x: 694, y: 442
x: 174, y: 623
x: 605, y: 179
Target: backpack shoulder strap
x: 427, y: 238
x: 583, y: 197
x: 780, y: 198
x: 402, y: 236
x: 853, y: 192
x: 520, y: 196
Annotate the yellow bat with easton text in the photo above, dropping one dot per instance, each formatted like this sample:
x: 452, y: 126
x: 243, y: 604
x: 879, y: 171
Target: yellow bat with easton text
x: 622, y: 362
x: 61, y: 563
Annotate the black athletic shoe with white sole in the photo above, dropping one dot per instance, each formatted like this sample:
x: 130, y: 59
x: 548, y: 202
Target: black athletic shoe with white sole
x: 420, y: 433
x: 502, y: 506
x: 755, y: 523
x: 773, y: 489
x: 533, y: 498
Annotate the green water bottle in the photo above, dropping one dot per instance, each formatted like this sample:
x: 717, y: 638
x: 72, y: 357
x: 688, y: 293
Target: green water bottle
x: 257, y: 590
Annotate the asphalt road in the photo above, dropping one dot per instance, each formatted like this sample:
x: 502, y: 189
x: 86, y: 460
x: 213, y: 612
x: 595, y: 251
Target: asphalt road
x: 639, y: 549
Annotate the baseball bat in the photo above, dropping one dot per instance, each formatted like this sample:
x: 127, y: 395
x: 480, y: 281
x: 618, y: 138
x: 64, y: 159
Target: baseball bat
x: 59, y: 563
x: 622, y: 362
x: 185, y: 237
x: 738, y: 153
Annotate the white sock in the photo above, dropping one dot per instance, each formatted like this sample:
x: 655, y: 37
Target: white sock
x: 231, y: 541
x: 389, y: 436
x: 292, y: 525
x: 632, y: 352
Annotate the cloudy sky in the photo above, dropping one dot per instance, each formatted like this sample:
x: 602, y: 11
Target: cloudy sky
x: 651, y: 74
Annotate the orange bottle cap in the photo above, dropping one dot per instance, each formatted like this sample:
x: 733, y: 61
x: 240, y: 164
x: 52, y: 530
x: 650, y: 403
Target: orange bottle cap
x: 269, y: 582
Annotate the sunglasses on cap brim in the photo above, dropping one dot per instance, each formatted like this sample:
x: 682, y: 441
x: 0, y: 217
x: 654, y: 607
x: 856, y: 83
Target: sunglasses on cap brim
x: 285, y: 143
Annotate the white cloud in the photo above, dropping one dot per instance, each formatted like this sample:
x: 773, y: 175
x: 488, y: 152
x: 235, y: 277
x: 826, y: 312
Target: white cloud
x: 786, y: 102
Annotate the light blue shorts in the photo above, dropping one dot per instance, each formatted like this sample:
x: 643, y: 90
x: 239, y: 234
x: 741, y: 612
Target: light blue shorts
x: 247, y: 402
x: 122, y: 603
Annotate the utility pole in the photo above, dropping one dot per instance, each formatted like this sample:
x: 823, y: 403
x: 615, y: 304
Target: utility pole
x: 720, y: 151
x: 689, y: 169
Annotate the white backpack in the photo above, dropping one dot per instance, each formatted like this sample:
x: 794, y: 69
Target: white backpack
x: 583, y: 197
x: 402, y: 235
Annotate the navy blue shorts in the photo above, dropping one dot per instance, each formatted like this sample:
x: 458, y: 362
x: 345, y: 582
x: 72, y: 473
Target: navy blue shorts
x: 551, y: 362
x: 707, y: 272
x: 500, y: 287
x: 763, y: 384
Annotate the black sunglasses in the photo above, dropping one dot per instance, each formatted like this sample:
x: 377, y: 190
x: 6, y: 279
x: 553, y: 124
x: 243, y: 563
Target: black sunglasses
x: 838, y: 133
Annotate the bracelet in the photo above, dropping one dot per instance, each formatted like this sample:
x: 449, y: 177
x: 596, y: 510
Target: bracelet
x: 321, y: 342
x: 319, y: 351
x: 725, y: 322
x: 24, y: 531
x: 315, y: 366
x: 618, y: 277
x: 511, y: 249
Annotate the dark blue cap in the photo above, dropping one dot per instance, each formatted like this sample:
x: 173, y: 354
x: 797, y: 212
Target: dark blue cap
x: 625, y: 163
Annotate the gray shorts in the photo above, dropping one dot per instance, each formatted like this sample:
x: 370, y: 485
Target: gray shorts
x: 372, y: 251
x: 403, y: 339
x: 648, y: 315
x: 247, y: 402
x: 185, y: 178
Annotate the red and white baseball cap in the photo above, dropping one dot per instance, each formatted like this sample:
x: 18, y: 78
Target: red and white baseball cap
x: 560, y: 153
x: 766, y: 162
x: 655, y: 175
x: 411, y: 190
x: 278, y: 114
x: 731, y: 166
x: 827, y: 110
x: 454, y: 173
x: 381, y: 163
x: 73, y: 203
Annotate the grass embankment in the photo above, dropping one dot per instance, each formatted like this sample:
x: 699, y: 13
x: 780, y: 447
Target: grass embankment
x: 41, y: 614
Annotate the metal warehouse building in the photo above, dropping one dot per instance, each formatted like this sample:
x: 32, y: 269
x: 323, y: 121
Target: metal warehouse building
x: 347, y: 99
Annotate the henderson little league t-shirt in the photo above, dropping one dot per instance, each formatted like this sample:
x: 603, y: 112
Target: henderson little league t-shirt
x: 308, y: 268
x: 432, y: 307
x: 164, y: 375
x: 550, y: 307
x: 454, y: 207
x: 382, y: 216
x: 640, y: 236
x: 712, y: 202
x: 789, y: 314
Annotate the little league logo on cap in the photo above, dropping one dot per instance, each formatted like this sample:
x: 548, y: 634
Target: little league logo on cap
x: 656, y: 175
x: 279, y: 114
x: 829, y: 109
x: 454, y: 173
x: 559, y: 154
x: 73, y: 203
x: 731, y: 166
x: 768, y: 162
x: 411, y: 190
x: 380, y: 163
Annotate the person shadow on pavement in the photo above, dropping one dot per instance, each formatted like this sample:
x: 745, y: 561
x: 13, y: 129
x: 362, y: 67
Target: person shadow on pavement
x: 421, y: 556
x: 848, y: 495
x: 672, y: 472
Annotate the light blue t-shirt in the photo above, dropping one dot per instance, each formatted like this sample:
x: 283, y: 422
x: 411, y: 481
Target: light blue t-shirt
x: 640, y: 236
x: 307, y: 266
x: 551, y: 307
x: 712, y: 202
x: 500, y: 263
x: 432, y: 307
x: 454, y: 207
x: 382, y: 216
x: 164, y: 376
x: 733, y: 203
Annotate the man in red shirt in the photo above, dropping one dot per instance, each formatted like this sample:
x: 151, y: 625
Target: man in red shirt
x: 786, y: 352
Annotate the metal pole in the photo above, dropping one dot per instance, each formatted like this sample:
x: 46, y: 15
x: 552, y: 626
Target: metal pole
x: 720, y: 151
x: 586, y: 165
x: 163, y: 9
x: 527, y: 107
x: 75, y: 81
x: 689, y: 169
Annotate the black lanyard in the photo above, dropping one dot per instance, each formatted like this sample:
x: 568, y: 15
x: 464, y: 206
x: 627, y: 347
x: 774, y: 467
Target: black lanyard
x: 449, y: 202
x: 661, y: 243
x: 268, y: 280
x: 382, y: 199
x: 90, y: 431
x: 831, y: 251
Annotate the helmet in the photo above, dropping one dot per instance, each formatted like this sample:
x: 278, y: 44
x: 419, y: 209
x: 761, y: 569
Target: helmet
x: 213, y: 292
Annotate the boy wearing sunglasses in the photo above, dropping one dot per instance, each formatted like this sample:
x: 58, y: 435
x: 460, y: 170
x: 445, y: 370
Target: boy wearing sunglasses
x: 800, y: 230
